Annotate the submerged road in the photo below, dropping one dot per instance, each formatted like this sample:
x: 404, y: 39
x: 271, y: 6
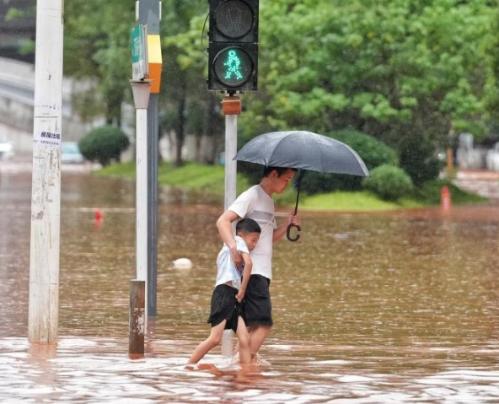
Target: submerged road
x: 386, y: 307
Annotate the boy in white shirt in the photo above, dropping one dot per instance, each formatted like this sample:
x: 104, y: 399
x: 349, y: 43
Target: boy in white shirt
x: 230, y: 288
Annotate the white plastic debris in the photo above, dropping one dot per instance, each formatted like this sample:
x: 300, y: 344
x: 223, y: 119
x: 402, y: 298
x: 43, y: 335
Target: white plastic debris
x: 182, y: 263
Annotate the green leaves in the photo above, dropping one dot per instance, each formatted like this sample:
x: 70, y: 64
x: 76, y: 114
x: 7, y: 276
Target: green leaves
x: 396, y: 69
x: 374, y: 65
x: 96, y: 47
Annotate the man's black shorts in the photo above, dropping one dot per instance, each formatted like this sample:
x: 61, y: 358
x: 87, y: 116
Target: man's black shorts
x: 257, y: 306
x: 224, y: 306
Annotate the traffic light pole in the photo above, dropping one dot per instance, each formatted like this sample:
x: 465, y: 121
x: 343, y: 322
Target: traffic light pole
x: 232, y: 67
x: 231, y: 107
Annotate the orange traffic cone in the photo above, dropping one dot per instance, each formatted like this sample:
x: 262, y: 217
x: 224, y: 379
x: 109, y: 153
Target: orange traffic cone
x: 445, y: 198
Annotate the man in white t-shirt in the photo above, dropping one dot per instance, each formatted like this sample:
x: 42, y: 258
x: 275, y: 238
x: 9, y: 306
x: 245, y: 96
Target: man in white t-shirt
x: 256, y: 203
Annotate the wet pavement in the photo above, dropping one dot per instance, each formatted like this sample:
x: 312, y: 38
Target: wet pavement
x: 387, y: 307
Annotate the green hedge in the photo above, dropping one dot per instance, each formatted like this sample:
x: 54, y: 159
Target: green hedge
x: 388, y: 182
x: 104, y: 144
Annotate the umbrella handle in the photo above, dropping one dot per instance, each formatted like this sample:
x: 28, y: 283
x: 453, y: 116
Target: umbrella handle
x: 288, y: 232
x: 298, y: 228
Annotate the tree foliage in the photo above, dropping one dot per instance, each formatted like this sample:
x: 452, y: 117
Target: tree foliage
x: 188, y: 107
x: 398, y: 70
x: 96, y: 47
x: 373, y: 65
x: 373, y: 152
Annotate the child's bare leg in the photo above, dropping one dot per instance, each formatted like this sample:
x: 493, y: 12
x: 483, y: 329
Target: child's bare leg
x: 244, y: 341
x: 212, y: 341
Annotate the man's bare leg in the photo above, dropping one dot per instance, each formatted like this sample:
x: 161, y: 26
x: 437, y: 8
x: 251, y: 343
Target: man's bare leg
x: 257, y: 336
x: 243, y: 337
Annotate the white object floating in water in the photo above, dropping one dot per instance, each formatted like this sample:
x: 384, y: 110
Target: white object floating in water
x: 182, y: 263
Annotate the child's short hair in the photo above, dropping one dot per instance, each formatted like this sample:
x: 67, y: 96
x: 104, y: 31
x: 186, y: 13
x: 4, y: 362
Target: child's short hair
x: 248, y: 225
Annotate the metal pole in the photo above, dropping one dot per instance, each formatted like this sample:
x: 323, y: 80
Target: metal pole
x: 149, y: 13
x: 231, y: 107
x: 46, y: 180
x: 230, y: 163
x: 141, y: 193
x: 152, y: 205
x: 141, y: 91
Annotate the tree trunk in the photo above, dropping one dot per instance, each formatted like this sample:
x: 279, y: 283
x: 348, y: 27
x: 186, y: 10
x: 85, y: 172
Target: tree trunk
x: 160, y: 135
x: 179, y: 133
x: 199, y: 156
x: 210, y: 128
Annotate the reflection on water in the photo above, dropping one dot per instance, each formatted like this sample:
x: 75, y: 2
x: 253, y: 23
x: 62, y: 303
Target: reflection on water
x: 368, y: 307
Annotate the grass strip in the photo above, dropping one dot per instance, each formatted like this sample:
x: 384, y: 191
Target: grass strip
x: 200, y: 177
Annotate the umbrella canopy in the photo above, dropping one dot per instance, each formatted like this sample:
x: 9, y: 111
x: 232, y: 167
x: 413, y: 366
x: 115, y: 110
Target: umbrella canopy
x: 303, y: 150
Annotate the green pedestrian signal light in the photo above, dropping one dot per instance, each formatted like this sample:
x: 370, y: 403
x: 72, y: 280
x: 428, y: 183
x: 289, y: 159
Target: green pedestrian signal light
x: 233, y: 48
x: 232, y: 64
x: 232, y: 67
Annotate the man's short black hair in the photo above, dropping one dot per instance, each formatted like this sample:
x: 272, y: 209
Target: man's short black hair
x: 280, y: 170
x: 247, y: 225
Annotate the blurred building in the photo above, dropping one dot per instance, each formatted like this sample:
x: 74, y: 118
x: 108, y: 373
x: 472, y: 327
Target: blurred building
x: 476, y: 157
x: 17, y: 85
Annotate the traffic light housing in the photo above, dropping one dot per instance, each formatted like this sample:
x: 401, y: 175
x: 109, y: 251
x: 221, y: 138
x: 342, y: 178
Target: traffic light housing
x: 233, y: 47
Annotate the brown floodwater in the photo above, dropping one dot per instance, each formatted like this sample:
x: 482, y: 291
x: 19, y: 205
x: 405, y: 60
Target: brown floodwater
x: 386, y: 307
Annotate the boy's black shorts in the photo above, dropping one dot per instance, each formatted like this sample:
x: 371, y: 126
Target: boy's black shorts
x: 224, y: 306
x: 257, y: 306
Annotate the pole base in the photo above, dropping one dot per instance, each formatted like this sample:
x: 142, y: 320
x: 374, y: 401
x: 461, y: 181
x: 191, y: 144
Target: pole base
x: 137, y: 320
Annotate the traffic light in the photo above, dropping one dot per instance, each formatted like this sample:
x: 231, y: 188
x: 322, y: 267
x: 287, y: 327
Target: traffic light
x: 233, y: 48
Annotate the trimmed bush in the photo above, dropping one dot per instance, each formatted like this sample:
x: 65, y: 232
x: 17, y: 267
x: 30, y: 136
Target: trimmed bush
x: 388, y: 182
x: 104, y: 144
x: 372, y: 151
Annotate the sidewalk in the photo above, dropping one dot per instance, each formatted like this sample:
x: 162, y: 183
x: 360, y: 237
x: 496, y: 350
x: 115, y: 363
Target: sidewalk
x: 484, y: 183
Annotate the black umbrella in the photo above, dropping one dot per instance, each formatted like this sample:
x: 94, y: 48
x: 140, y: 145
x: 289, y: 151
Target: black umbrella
x: 302, y: 150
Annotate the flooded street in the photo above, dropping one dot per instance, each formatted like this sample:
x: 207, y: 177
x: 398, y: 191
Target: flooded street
x: 386, y: 307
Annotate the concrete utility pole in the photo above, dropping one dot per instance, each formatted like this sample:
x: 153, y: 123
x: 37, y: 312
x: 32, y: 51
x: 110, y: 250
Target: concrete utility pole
x: 149, y: 14
x: 46, y: 180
